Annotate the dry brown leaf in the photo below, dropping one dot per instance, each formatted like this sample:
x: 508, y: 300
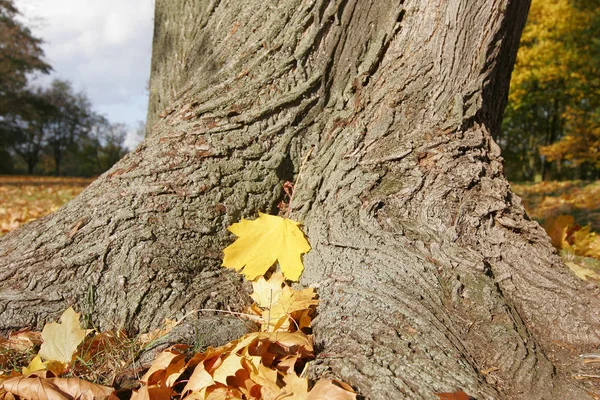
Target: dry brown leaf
x: 82, y: 390
x: 291, y: 342
x: 241, y: 381
x: 267, y: 379
x: 167, y: 367
x: 460, y: 395
x: 22, y: 340
x: 327, y: 389
x: 287, y: 364
x: 34, y: 388
x: 223, y: 393
x: 210, y: 353
x: 4, y: 395
x: 104, y: 342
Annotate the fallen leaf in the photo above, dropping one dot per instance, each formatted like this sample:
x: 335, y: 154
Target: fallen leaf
x: 167, y: 367
x: 267, y: 379
x: 23, y: 340
x: 34, y: 388
x: 200, y: 379
x: 327, y: 389
x: 586, y: 243
x: 454, y: 396
x: 582, y: 272
x: 62, y: 339
x: 35, y: 365
x: 4, y: 395
x: 263, y: 241
x: 266, y: 293
x: 557, y: 227
x: 278, y: 317
x: 295, y: 388
x: 231, y: 364
x: 80, y: 389
x: 152, y: 393
x: 223, y: 393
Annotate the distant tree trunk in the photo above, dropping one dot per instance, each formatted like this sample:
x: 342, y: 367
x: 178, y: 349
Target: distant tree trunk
x: 57, y: 153
x: 30, y: 166
x: 431, y: 276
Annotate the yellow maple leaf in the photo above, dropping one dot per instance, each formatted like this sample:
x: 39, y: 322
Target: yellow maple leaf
x: 61, y: 339
x: 35, y: 365
x: 586, y: 243
x: 582, y: 272
x: 263, y: 241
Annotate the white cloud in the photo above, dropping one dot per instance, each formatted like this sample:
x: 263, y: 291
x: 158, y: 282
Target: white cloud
x: 103, y: 47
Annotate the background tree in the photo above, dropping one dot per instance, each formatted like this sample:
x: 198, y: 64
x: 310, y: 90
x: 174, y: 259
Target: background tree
x: 430, y: 275
x: 26, y: 129
x: 100, y: 149
x: 71, y: 120
x: 20, y: 55
x: 554, y: 97
x: 53, y: 121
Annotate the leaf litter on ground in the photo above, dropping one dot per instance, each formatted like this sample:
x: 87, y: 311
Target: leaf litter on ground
x: 267, y: 364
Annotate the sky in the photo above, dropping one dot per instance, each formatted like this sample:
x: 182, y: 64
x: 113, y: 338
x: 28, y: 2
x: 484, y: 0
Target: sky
x: 103, y: 47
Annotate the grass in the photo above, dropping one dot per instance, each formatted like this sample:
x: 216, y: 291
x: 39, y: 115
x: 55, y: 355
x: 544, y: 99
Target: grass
x: 26, y: 198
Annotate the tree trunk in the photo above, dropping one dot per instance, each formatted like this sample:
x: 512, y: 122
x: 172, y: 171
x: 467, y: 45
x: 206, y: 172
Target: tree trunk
x: 430, y: 274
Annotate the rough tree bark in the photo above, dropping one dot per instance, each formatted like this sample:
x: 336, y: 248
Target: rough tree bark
x: 430, y: 273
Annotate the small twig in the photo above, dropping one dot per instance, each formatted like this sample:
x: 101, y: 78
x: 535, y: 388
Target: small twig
x: 590, y: 356
x: 586, y: 376
x: 249, y: 316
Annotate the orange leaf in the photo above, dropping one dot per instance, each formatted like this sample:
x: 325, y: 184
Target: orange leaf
x: 327, y: 389
x: 454, y: 396
x: 199, y: 380
x: 167, y: 367
x: 557, y: 227
x: 152, y: 393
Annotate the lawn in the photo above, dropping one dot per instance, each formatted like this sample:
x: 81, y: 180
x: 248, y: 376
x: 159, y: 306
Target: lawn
x: 25, y: 198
